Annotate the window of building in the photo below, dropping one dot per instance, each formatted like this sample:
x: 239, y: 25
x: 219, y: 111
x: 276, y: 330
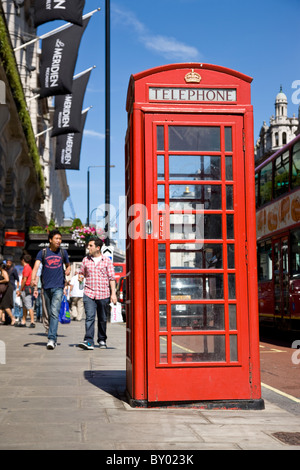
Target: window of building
x: 284, y: 138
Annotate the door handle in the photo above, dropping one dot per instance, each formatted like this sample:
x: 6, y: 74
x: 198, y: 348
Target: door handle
x: 149, y: 227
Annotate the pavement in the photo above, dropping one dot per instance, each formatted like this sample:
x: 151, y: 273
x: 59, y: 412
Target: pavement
x: 70, y: 399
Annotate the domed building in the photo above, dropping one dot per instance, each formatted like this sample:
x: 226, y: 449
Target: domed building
x: 281, y: 130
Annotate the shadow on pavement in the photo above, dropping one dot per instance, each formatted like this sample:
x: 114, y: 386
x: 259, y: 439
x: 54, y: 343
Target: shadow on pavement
x: 110, y: 381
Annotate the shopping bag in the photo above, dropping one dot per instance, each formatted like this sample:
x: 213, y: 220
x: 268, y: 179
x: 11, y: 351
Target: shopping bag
x: 116, y: 313
x: 64, y: 314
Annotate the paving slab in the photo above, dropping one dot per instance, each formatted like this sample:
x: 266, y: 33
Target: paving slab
x: 74, y: 399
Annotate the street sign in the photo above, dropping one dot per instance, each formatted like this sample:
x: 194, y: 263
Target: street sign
x: 108, y: 251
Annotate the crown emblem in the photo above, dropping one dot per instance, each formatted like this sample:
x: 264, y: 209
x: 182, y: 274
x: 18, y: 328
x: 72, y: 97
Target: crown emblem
x: 192, y: 77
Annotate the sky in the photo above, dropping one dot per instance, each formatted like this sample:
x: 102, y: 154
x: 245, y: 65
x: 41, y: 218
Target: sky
x: 258, y: 38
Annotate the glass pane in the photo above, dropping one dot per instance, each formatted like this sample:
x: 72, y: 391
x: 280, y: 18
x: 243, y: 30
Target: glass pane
x: 233, y: 348
x: 195, y: 226
x: 160, y: 138
x: 229, y: 173
x: 162, y: 256
x: 194, y: 138
x: 194, y: 167
x: 281, y: 174
x: 188, y: 197
x: 295, y: 254
x: 196, y: 256
x: 230, y: 256
x: 212, y: 226
x: 160, y: 167
x: 196, y: 286
x: 162, y: 318
x: 296, y: 165
x: 200, y: 348
x: 232, y: 317
x: 257, y: 202
x: 230, y: 226
x: 229, y: 198
x: 277, y: 278
x: 162, y: 287
x: 161, y: 196
x: 163, y: 349
x: 231, y: 286
x: 228, y: 139
x: 264, y: 261
x: 265, y: 192
x: 197, y: 317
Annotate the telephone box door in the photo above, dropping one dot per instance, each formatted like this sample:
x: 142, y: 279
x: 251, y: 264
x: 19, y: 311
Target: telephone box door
x: 196, y: 274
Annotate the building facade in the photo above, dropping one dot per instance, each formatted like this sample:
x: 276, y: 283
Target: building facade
x: 282, y: 129
x: 31, y: 191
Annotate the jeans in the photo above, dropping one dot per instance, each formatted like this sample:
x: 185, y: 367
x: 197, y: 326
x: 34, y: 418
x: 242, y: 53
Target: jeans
x: 92, y: 306
x: 53, y: 298
x: 38, y: 306
x: 18, y: 312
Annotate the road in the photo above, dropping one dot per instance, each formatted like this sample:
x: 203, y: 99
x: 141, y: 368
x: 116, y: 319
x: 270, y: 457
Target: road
x: 280, y: 369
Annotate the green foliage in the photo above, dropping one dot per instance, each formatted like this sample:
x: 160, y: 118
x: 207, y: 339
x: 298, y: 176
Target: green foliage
x: 77, y: 223
x: 9, y: 63
x: 44, y: 230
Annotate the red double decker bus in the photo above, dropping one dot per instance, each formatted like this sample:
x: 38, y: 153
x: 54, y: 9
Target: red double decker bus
x: 278, y: 237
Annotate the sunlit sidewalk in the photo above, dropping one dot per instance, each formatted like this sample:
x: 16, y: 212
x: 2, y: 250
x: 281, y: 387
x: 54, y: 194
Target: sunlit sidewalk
x: 75, y: 399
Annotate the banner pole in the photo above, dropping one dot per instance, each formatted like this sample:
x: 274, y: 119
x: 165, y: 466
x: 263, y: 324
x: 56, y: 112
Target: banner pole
x: 43, y: 132
x: 54, y: 31
x: 74, y: 78
x: 84, y: 72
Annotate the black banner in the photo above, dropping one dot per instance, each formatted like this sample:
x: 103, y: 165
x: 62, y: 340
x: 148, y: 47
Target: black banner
x: 58, y: 60
x: 50, y: 10
x: 68, y: 147
x: 67, y: 115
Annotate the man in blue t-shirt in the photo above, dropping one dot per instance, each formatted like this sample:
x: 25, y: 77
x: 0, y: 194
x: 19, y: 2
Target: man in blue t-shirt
x: 53, y: 260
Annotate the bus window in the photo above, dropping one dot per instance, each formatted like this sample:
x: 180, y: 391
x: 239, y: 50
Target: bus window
x: 265, y: 193
x: 281, y: 176
x: 295, y: 254
x: 256, y: 189
x: 264, y: 261
x: 296, y: 165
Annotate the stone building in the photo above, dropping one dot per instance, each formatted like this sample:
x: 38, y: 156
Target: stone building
x: 282, y: 129
x: 31, y: 191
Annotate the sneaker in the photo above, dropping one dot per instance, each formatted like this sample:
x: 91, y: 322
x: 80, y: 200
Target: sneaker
x: 85, y: 345
x: 51, y: 344
x: 102, y: 345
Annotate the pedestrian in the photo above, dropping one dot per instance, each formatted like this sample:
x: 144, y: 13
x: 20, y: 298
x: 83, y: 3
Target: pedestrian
x: 18, y: 306
x: 76, y: 297
x: 13, y: 276
x: 38, y: 305
x: 6, y: 301
x: 100, y: 289
x: 26, y: 292
x: 39, y: 286
x: 53, y: 260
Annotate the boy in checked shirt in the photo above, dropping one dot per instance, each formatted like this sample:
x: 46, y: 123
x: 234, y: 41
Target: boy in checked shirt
x: 99, y: 291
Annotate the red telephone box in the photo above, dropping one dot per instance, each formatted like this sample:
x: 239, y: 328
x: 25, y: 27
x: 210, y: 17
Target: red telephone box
x: 192, y: 317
